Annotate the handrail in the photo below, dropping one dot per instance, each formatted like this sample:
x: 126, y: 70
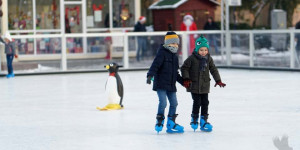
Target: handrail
x: 183, y: 34
x: 156, y: 33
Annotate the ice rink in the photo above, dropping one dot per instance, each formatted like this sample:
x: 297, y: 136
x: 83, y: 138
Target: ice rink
x: 58, y: 112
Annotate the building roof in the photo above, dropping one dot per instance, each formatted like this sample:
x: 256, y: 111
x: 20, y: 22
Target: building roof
x: 215, y: 1
x: 172, y: 4
x: 167, y: 4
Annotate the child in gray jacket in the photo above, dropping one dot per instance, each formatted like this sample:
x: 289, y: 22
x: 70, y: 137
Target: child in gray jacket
x: 195, y: 72
x: 10, y: 53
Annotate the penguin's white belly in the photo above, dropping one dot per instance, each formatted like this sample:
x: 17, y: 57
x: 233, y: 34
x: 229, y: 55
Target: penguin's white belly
x: 111, y: 91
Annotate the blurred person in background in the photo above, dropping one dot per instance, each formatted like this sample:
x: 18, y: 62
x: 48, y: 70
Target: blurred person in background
x: 297, y: 39
x: 10, y: 53
x: 108, y: 44
x: 211, y: 25
x: 142, y: 40
x: 188, y: 24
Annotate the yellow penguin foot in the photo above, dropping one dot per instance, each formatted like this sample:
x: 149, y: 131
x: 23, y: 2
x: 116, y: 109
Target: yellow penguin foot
x: 110, y: 107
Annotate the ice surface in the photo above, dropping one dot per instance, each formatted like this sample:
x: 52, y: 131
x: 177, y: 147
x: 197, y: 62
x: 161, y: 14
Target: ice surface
x: 58, y: 112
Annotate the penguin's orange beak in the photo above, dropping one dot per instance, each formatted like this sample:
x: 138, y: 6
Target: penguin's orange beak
x: 106, y: 66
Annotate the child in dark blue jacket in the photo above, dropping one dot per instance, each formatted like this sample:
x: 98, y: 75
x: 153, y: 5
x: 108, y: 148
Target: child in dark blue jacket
x: 164, y: 69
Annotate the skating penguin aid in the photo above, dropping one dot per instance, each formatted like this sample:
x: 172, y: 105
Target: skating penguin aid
x: 113, y: 88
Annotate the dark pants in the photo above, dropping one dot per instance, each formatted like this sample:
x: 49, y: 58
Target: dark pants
x: 297, y: 54
x: 212, y: 41
x: 142, y: 44
x: 9, y: 60
x: 298, y: 46
x: 200, y: 100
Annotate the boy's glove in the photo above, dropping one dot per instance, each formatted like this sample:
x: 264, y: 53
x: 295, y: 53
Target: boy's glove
x: 220, y: 84
x: 149, y: 79
x: 16, y: 56
x: 187, y: 83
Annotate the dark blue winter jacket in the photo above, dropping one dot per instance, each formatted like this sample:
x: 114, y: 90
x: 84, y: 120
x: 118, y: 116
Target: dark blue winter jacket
x: 139, y: 27
x: 164, y: 69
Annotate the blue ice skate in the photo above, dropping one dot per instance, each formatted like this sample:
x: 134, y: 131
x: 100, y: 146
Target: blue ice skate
x: 173, y: 127
x: 159, y: 123
x: 12, y: 75
x: 204, y: 125
x: 8, y: 76
x: 194, y: 122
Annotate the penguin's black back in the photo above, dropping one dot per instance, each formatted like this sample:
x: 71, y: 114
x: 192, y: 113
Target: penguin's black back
x: 120, y: 87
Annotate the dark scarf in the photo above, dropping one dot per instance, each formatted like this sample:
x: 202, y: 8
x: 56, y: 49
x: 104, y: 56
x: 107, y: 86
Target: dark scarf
x: 202, y: 61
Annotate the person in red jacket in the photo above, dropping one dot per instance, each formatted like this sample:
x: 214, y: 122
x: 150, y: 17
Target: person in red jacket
x: 188, y: 24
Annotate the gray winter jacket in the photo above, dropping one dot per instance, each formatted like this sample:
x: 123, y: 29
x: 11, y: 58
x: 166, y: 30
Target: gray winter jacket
x: 9, y: 47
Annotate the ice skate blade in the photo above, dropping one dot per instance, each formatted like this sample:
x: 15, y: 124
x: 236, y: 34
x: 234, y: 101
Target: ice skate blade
x: 174, y: 131
x: 205, y: 130
x: 158, y: 129
x: 194, y: 127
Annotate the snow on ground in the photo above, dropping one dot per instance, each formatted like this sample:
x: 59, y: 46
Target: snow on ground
x: 59, y: 112
x: 40, y: 68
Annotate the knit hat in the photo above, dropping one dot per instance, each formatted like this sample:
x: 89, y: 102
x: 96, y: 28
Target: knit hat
x: 142, y: 18
x: 201, y: 42
x: 171, y: 37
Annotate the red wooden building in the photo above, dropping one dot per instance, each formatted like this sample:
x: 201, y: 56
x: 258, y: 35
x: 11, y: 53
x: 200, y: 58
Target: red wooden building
x: 166, y: 12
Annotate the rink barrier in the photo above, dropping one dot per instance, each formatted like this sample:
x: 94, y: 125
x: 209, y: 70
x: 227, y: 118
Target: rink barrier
x: 146, y: 69
x: 183, y: 34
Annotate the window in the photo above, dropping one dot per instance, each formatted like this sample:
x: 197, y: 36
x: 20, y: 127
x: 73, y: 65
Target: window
x: 97, y: 14
x: 48, y: 45
x: 24, y: 46
x: 123, y: 13
x: 73, y: 19
x: 47, y: 14
x: 74, y: 45
x: 20, y: 15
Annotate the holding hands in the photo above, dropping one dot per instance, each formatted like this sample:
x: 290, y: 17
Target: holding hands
x: 187, y: 83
